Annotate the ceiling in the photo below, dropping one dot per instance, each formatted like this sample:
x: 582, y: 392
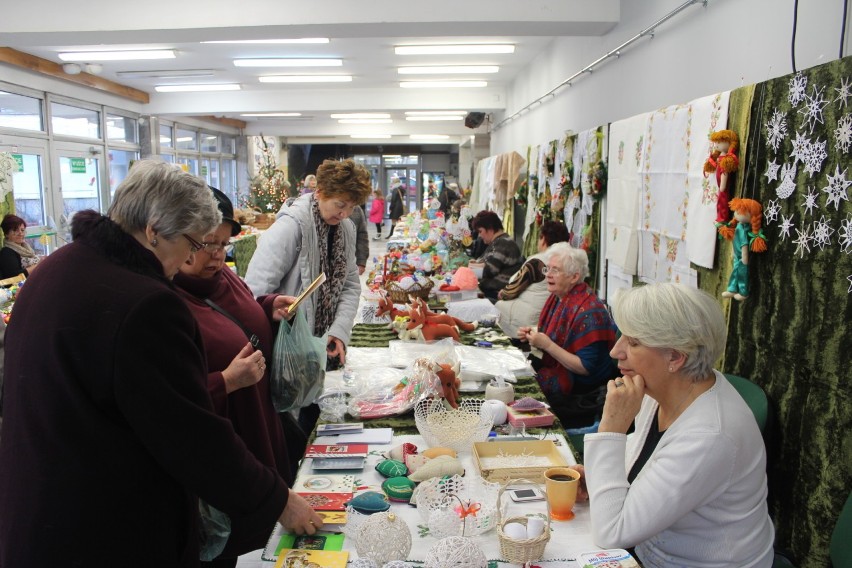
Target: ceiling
x: 361, y: 33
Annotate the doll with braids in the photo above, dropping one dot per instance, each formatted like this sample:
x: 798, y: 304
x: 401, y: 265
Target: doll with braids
x: 745, y: 231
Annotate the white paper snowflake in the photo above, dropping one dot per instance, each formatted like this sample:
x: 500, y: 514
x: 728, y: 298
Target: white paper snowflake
x: 788, y: 181
x: 815, y: 156
x: 814, y: 105
x: 772, y: 171
x: 822, y: 233
x: 798, y: 86
x: 843, y: 134
x: 810, y: 201
x: 800, y: 147
x: 786, y: 224
x: 776, y: 130
x: 770, y: 213
x: 849, y: 278
x: 836, y: 188
x: 802, y: 242
x: 844, y: 235
x: 844, y: 91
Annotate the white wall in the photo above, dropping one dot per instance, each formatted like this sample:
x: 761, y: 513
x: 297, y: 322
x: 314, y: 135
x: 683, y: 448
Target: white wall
x: 701, y: 51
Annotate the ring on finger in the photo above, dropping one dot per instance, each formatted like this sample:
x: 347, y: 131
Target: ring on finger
x: 619, y: 384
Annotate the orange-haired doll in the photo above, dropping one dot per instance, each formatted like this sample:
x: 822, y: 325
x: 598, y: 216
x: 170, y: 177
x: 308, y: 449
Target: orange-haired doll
x: 745, y: 230
x: 722, y: 160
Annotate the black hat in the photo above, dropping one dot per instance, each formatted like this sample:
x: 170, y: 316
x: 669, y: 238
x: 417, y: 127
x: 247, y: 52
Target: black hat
x: 227, y: 209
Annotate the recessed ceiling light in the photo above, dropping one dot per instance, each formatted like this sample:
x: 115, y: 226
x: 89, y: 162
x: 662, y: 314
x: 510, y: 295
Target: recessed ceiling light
x: 435, y: 117
x: 434, y: 112
x: 274, y: 41
x: 272, y: 114
x: 441, y: 84
x: 197, y: 88
x: 305, y: 78
x: 128, y: 55
x: 365, y: 121
x: 288, y: 62
x: 361, y: 115
x: 370, y: 136
x: 447, y: 69
x: 177, y: 73
x: 453, y: 49
x: 429, y: 136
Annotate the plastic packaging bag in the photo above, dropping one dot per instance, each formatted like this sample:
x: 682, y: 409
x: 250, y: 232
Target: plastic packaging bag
x: 392, y: 396
x: 298, y: 365
x: 213, y: 531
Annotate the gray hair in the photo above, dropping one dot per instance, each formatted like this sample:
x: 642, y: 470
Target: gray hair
x: 674, y: 316
x: 162, y: 195
x: 571, y: 260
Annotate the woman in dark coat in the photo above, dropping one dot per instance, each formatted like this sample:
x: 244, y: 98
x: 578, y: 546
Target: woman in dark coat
x: 396, y: 205
x: 16, y: 256
x: 109, y: 435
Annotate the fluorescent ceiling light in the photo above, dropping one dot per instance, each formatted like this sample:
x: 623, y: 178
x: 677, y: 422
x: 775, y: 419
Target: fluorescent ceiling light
x: 128, y: 55
x: 370, y: 136
x: 288, y: 62
x: 447, y: 69
x: 441, y: 84
x: 453, y: 49
x: 365, y: 121
x: 272, y: 114
x: 185, y: 139
x: 274, y: 41
x: 176, y: 74
x: 197, y: 88
x: 429, y: 136
x: 434, y: 112
x: 361, y: 115
x: 436, y: 117
x: 305, y: 78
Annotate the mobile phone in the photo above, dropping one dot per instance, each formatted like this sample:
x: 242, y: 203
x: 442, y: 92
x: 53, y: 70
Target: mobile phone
x: 526, y: 494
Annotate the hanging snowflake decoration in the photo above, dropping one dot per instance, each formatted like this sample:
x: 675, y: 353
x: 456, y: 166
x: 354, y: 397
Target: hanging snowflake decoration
x: 843, y: 134
x: 810, y: 201
x: 822, y: 233
x: 802, y: 242
x: 837, y: 187
x: 770, y: 212
x: 772, y: 171
x: 788, y: 181
x: 776, y: 130
x: 814, y: 105
x: 815, y: 156
x: 800, y: 148
x: 786, y: 224
x: 844, y: 234
x: 849, y: 278
x: 844, y: 91
x: 798, y: 86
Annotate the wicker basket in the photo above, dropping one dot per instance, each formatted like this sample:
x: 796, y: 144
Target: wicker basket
x: 262, y: 220
x: 402, y: 296
x: 520, y: 551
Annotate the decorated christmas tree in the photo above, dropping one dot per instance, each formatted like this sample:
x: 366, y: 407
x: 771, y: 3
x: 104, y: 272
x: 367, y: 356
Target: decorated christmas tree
x: 269, y: 188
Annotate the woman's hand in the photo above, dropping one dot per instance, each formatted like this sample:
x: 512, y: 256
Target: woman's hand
x: 245, y: 370
x: 298, y: 516
x: 623, y: 400
x: 279, y: 307
x: 524, y: 332
x: 539, y: 340
x: 582, y: 490
x: 335, y: 348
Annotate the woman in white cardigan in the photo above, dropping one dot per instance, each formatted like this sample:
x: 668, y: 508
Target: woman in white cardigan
x: 688, y: 488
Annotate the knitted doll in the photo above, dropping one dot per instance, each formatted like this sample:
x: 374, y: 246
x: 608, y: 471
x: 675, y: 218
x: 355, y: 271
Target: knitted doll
x: 722, y: 160
x: 745, y: 230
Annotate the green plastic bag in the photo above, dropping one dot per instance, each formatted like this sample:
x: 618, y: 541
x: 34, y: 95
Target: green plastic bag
x: 298, y: 365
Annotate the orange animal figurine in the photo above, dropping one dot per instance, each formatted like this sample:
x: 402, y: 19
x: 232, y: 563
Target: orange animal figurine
x: 428, y: 330
x: 450, y: 381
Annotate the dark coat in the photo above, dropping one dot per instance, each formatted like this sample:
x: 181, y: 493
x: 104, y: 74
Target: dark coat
x: 109, y: 433
x: 396, y: 205
x: 10, y: 263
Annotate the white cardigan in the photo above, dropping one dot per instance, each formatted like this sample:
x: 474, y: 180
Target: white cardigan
x: 699, y: 501
x: 287, y: 261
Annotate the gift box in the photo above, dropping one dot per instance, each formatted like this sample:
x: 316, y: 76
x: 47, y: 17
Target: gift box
x: 533, y: 418
x: 502, y: 461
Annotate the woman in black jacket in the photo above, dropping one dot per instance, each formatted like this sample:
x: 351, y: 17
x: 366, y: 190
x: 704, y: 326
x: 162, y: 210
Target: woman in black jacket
x: 16, y: 256
x: 396, y: 205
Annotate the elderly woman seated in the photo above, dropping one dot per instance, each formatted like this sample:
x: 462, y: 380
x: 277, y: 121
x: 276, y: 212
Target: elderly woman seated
x: 688, y: 487
x: 575, y: 334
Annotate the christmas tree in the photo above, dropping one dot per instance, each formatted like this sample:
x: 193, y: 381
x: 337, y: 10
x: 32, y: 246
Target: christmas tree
x: 269, y: 188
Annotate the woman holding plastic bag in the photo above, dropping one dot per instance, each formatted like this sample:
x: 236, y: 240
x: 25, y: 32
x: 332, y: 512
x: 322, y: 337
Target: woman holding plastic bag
x: 311, y: 237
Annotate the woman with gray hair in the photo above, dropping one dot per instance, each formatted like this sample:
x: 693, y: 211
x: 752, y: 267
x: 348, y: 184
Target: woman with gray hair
x: 688, y: 487
x: 108, y: 429
x: 575, y: 333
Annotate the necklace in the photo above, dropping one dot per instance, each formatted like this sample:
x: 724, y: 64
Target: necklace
x: 677, y: 409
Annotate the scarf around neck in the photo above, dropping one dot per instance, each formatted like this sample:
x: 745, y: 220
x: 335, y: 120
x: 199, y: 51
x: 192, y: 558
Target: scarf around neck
x: 334, y: 266
x: 26, y: 252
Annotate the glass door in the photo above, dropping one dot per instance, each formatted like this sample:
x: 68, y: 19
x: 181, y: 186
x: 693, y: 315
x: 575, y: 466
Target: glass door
x: 407, y: 176
x: 77, y: 181
x: 28, y: 182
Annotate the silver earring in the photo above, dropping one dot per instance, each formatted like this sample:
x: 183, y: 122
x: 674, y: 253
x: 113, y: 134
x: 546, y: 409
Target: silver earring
x: 154, y: 242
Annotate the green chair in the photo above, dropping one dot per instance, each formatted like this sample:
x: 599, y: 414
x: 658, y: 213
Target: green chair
x: 755, y: 399
x: 839, y: 548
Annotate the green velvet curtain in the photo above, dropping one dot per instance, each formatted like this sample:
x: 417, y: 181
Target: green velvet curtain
x: 791, y: 335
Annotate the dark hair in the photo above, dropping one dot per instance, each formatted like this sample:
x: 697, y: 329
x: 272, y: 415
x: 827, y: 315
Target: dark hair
x: 487, y: 220
x: 11, y: 223
x: 554, y: 232
x: 344, y: 178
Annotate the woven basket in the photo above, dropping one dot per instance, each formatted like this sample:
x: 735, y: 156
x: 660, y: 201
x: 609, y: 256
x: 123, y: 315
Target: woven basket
x: 262, y: 220
x: 520, y: 551
x: 453, y: 428
x: 402, y: 296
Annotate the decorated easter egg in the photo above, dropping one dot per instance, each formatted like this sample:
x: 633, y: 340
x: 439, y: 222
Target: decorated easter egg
x: 370, y: 502
x: 391, y: 468
x: 398, y: 488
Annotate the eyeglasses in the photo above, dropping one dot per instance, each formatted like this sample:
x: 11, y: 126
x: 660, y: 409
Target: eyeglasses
x: 555, y: 270
x: 194, y: 246
x: 213, y: 248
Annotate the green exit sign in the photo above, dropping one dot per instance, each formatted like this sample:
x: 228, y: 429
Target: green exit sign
x: 204, y: 171
x: 78, y: 165
x: 19, y: 158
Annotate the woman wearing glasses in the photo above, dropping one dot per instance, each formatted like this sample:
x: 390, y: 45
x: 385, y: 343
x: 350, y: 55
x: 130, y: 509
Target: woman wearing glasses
x: 108, y: 428
x: 575, y: 333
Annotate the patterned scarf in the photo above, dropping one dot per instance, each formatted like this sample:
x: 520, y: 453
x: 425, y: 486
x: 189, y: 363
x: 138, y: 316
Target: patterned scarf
x: 335, y: 271
x: 28, y: 255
